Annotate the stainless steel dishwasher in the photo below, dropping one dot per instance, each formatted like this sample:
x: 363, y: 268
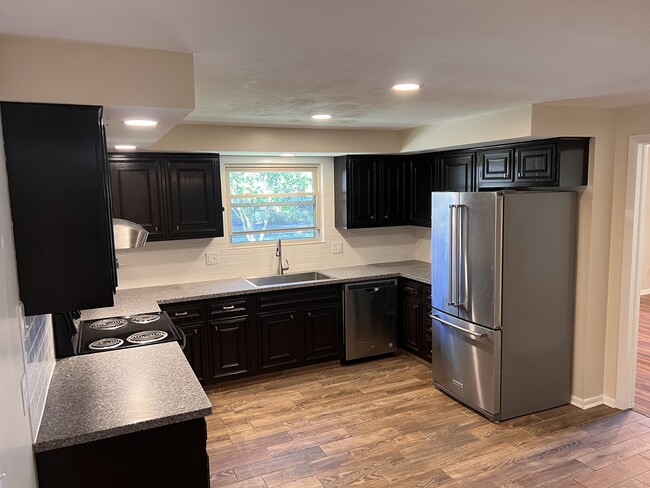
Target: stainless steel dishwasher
x: 370, y: 318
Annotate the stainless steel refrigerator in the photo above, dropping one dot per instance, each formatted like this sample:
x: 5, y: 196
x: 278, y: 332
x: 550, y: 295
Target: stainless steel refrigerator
x: 502, y: 282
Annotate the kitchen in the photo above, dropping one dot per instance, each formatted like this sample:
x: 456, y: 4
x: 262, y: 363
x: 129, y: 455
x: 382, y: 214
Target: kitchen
x: 601, y: 211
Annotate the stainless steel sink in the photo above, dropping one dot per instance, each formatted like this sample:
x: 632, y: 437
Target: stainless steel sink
x: 288, y: 279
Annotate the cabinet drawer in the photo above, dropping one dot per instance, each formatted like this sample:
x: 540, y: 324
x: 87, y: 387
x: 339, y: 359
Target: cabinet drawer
x: 228, y: 307
x: 184, y: 312
x: 412, y: 288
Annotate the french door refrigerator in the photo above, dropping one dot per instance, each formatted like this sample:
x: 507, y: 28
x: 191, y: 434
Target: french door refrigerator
x: 502, y: 283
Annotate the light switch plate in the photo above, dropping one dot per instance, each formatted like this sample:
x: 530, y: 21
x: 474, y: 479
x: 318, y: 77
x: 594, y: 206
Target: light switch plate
x: 212, y: 257
x: 337, y: 247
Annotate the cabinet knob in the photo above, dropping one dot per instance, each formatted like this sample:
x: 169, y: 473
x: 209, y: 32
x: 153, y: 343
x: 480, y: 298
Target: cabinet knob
x: 156, y: 229
x: 291, y: 317
x: 519, y: 175
x: 308, y: 314
x: 196, y: 331
x: 385, y: 216
x: 372, y: 217
x: 507, y: 175
x: 178, y: 227
x: 216, y: 329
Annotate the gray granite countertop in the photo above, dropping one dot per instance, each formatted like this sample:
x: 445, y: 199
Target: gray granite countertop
x: 141, y: 300
x: 97, y: 396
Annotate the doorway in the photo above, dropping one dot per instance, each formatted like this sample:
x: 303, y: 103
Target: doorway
x: 633, y: 240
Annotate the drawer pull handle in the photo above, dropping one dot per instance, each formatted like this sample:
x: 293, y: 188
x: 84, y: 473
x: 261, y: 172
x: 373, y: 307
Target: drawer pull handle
x: 308, y: 314
x: 291, y: 317
x: 408, y: 288
x: 179, y: 314
x: 229, y: 307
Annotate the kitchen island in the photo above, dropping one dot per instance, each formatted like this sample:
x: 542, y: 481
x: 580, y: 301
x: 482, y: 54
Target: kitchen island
x: 127, y: 406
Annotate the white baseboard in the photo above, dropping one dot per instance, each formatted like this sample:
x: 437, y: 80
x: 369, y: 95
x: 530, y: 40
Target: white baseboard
x: 645, y: 292
x: 585, y: 403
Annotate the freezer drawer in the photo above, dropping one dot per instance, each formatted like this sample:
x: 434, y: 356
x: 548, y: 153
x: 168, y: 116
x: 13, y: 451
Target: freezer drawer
x: 370, y: 319
x: 467, y: 362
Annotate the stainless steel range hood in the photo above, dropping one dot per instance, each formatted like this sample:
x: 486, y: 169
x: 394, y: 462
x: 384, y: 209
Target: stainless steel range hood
x: 128, y: 235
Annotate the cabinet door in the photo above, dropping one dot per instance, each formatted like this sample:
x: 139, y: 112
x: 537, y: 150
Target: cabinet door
x: 230, y: 348
x: 495, y: 167
x: 536, y: 165
x: 458, y: 171
x: 393, y: 188
x: 56, y: 172
x: 363, y: 192
x: 279, y: 340
x: 136, y: 185
x: 194, y: 192
x: 420, y: 188
x: 195, y: 348
x: 411, y: 321
x: 320, y: 333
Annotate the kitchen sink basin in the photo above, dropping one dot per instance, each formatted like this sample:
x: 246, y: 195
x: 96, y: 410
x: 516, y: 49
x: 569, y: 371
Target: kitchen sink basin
x: 288, y: 279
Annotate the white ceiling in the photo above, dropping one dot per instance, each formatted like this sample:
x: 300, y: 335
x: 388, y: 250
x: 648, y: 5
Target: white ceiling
x: 276, y: 62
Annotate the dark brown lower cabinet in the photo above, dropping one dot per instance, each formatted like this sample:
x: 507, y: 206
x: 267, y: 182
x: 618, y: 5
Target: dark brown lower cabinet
x: 412, y: 324
x: 320, y: 333
x: 165, y: 457
x: 279, y: 340
x: 196, y: 348
x: 231, y: 347
x: 415, y: 326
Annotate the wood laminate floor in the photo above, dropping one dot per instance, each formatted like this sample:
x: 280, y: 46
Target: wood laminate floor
x: 642, y: 392
x: 381, y: 423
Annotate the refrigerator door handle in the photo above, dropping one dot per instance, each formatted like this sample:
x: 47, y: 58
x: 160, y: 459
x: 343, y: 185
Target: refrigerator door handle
x: 460, y: 329
x: 459, y: 253
x: 450, y: 289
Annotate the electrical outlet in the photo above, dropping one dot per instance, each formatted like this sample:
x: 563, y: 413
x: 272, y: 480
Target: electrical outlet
x: 212, y: 257
x: 337, y: 247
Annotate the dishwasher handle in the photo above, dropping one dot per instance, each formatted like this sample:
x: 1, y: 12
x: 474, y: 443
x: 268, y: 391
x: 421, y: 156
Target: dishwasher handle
x: 372, y: 286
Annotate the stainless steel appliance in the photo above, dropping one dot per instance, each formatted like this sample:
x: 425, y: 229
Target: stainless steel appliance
x: 370, y: 318
x: 502, y: 283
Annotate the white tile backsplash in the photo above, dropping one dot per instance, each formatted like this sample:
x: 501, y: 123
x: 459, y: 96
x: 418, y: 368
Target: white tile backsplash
x: 169, y: 262
x: 38, y: 343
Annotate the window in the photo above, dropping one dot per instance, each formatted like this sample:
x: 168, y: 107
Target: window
x: 266, y: 203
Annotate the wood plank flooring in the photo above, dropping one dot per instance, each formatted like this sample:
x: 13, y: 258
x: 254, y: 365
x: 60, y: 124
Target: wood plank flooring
x: 381, y: 423
x: 642, y: 392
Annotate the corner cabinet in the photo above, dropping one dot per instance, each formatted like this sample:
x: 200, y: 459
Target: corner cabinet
x: 60, y: 206
x: 370, y: 191
x: 173, y: 196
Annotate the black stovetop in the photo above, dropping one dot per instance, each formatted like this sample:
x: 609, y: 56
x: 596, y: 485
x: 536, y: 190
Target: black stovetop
x: 115, y: 333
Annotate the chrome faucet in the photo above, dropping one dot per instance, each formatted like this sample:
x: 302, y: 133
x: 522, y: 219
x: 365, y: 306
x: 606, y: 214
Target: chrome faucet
x: 278, y: 254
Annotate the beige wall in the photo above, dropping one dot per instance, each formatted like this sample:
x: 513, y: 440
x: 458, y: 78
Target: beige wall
x: 43, y: 70
x: 496, y: 126
x: 594, y: 224
x: 629, y: 121
x: 269, y: 140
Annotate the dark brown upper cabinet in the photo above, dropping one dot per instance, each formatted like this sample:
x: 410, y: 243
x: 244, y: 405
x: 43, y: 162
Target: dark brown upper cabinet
x: 370, y: 191
x: 137, y: 193
x: 495, y: 167
x: 458, y: 171
x: 60, y: 206
x: 173, y: 196
x: 422, y: 175
x: 535, y: 165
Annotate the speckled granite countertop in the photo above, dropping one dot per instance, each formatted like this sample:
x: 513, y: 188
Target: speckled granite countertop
x: 141, y: 300
x: 97, y: 396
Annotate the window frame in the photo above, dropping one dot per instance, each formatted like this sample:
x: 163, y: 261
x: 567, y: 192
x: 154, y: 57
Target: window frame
x: 314, y: 168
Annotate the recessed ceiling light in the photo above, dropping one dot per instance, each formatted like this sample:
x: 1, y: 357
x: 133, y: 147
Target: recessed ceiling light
x: 406, y: 87
x: 124, y: 147
x: 288, y: 155
x: 321, y: 117
x: 141, y: 123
